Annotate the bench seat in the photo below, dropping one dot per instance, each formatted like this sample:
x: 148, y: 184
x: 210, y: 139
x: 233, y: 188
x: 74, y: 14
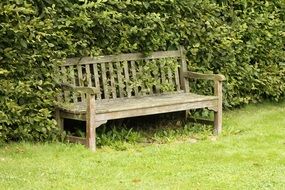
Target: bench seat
x: 138, y: 106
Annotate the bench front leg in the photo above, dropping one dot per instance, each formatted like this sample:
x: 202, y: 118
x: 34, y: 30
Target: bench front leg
x: 218, y: 114
x: 90, y: 123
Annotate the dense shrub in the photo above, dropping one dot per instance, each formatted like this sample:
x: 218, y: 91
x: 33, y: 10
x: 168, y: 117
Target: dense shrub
x: 28, y: 56
x: 242, y: 39
x: 247, y: 45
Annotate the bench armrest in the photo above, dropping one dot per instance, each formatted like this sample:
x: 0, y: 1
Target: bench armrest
x: 88, y: 90
x: 195, y: 75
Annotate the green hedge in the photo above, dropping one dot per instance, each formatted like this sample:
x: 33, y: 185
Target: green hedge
x: 242, y: 39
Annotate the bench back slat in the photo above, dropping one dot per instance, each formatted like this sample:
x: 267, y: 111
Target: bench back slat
x: 120, y: 84
x: 127, y: 78
x: 112, y: 80
x: 73, y: 81
x: 66, y: 94
x: 96, y: 78
x: 88, y: 75
x: 162, y: 73
x: 177, y: 80
x: 81, y: 81
x: 183, y: 81
x: 104, y: 81
x: 134, y: 77
x: 150, y: 88
x: 140, y: 73
x: 127, y: 75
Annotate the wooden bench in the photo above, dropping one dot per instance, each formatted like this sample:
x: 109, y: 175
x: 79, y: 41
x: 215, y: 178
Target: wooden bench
x: 129, y: 85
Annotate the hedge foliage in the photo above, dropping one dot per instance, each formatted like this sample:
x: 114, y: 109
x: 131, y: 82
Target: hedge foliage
x: 244, y: 40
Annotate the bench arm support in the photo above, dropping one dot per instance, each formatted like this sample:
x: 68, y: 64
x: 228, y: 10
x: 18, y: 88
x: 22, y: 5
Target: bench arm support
x: 87, y: 90
x: 90, y: 112
x: 218, y: 79
x: 195, y: 75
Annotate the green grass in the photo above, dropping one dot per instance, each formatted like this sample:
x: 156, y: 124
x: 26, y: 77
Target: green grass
x: 249, y: 155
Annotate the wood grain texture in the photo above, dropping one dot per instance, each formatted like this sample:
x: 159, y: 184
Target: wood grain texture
x: 177, y: 82
x: 59, y: 119
x: 96, y: 79
x: 127, y: 78
x: 105, y: 82
x: 83, y: 89
x: 149, y: 88
x: 162, y: 74
x: 66, y: 93
x: 120, y: 79
x: 90, y: 123
x: 80, y: 81
x: 88, y: 76
x: 134, y: 77
x: 142, y: 86
x: 73, y: 82
x: 155, y: 110
x: 121, y: 57
x: 135, y: 103
x: 112, y: 80
x: 184, y: 83
x: 195, y: 75
x: 218, y: 114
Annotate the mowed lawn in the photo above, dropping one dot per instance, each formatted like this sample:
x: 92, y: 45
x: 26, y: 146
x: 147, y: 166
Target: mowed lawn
x: 249, y: 155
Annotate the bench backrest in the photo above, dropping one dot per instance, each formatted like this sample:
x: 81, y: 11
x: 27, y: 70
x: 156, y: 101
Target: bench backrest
x: 127, y: 75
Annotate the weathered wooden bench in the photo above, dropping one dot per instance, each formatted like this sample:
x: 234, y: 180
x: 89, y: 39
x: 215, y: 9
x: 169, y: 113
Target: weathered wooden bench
x: 129, y: 85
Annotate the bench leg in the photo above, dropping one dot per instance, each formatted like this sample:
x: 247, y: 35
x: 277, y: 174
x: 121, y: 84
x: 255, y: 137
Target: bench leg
x: 91, y: 123
x: 91, y: 134
x: 58, y: 119
x: 218, y: 122
x: 218, y: 113
x: 187, y: 115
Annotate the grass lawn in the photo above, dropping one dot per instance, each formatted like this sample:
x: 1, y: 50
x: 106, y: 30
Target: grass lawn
x: 249, y: 155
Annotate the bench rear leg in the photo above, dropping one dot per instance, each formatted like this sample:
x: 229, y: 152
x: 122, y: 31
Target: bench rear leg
x: 59, y: 119
x: 218, y: 122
